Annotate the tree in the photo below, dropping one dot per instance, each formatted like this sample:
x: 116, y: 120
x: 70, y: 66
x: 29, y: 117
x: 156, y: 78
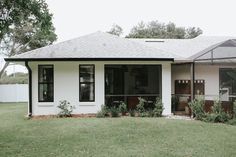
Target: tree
x: 116, y: 30
x: 138, y: 31
x: 155, y: 29
x: 193, y: 32
x: 24, y: 25
x: 15, y: 78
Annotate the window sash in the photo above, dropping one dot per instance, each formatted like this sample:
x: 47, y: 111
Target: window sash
x: 49, y: 82
x: 88, y: 83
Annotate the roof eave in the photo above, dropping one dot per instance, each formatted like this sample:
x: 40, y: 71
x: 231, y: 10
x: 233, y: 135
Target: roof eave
x: 87, y: 59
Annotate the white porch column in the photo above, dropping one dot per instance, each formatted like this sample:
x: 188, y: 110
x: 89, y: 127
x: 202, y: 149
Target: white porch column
x: 99, y: 85
x: 166, y: 88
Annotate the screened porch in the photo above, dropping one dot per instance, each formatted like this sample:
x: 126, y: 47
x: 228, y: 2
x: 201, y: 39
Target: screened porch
x: 125, y: 83
x: 211, y: 75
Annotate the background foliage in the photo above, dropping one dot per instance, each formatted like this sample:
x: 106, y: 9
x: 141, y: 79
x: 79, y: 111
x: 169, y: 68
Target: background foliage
x: 24, y: 25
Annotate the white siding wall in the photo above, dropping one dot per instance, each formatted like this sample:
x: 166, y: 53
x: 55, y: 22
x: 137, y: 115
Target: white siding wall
x: 66, y: 86
x: 14, y: 93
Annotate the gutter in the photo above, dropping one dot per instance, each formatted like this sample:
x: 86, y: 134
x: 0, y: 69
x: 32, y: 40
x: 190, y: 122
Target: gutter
x: 88, y: 59
x: 30, y: 88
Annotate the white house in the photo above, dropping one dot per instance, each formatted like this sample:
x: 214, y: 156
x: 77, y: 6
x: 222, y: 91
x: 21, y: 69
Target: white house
x: 100, y: 68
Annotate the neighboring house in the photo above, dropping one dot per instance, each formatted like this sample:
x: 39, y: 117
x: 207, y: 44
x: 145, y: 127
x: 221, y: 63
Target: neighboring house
x: 100, y: 68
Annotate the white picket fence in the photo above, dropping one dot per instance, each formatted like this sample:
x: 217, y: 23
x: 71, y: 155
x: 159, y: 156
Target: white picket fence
x: 14, y: 93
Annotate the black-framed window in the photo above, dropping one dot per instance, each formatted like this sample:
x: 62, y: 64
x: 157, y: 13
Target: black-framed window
x: 45, y: 83
x: 87, y: 83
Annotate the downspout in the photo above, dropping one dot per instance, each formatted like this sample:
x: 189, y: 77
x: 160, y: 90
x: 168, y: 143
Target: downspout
x: 30, y: 88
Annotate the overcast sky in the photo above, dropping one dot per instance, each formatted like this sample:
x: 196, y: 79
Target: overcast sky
x: 73, y: 18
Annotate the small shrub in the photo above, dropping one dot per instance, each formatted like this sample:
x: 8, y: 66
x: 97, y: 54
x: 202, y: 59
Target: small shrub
x: 132, y: 113
x: 217, y: 107
x: 197, y: 107
x: 232, y: 121
x: 103, y: 113
x: 150, y: 113
x: 105, y: 110
x: 141, y: 104
x: 218, y: 115
x: 217, y: 118
x: 143, y: 114
x: 66, y: 109
x: 209, y: 117
x: 100, y: 114
x: 157, y: 112
x: 114, y: 112
x: 222, y: 116
x: 123, y: 108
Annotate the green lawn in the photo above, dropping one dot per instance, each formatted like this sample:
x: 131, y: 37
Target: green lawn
x: 115, y: 137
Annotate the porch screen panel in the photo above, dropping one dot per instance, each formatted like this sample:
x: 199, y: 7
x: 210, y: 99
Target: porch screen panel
x: 45, y: 83
x: 132, y: 79
x: 125, y: 83
x: 87, y: 83
x: 227, y: 84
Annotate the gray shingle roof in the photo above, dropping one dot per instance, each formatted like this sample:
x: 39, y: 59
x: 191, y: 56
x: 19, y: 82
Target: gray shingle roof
x: 186, y: 48
x: 96, y: 45
x: 106, y: 46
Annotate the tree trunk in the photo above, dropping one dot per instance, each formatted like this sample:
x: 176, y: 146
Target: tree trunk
x: 3, y: 69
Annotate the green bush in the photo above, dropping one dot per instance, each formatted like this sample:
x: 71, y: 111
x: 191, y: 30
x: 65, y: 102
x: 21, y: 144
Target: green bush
x: 151, y: 113
x: 132, y: 113
x: 217, y: 118
x: 103, y: 112
x: 157, y: 111
x: 141, y: 104
x: 197, y: 107
x: 209, y: 117
x: 218, y: 115
x: 123, y: 108
x: 66, y: 109
x: 232, y: 121
x: 114, y: 111
x: 141, y: 111
x: 100, y: 114
x: 217, y: 107
x: 143, y: 114
x: 16, y: 78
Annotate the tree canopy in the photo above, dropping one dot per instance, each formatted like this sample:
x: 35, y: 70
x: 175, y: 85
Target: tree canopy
x: 15, y: 78
x: 24, y: 25
x: 116, y: 30
x: 156, y: 29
